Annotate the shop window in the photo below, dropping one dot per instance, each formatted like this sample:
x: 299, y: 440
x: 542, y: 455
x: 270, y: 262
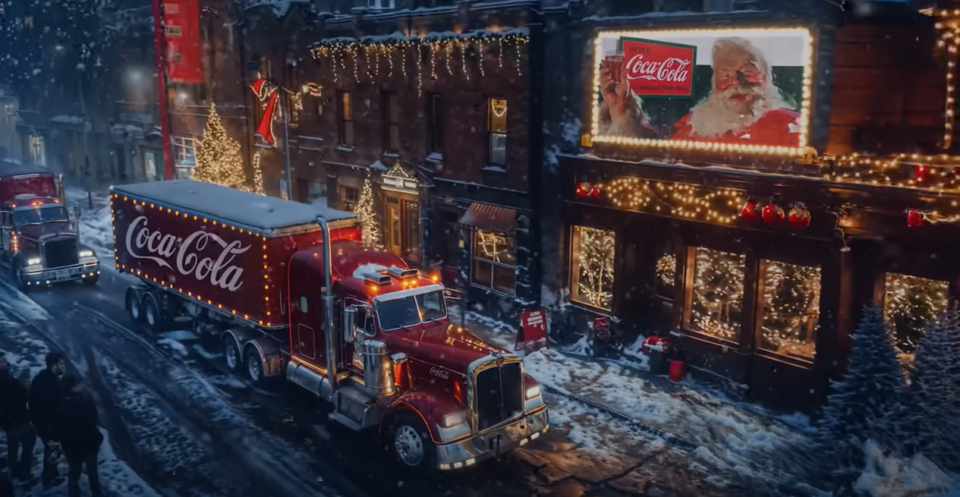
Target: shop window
x: 185, y: 150
x: 349, y: 198
x: 791, y: 309
x: 494, y: 261
x: 497, y: 130
x: 593, y: 252
x: 717, y: 294
x: 909, y: 303
x: 345, y: 118
x: 38, y: 150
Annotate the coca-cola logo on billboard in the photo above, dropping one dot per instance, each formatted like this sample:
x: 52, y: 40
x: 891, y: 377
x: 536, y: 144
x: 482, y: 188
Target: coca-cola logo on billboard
x: 219, y: 271
x: 654, y: 68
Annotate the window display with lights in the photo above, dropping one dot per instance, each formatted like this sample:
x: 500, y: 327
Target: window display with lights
x: 717, y: 294
x: 791, y: 309
x: 909, y: 303
x: 593, y: 252
x: 494, y: 261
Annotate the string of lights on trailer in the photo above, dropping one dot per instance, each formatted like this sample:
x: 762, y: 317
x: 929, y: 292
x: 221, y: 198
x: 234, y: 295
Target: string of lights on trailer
x: 206, y: 219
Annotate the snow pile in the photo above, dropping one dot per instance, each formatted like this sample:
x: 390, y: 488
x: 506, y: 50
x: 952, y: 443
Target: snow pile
x: 96, y: 230
x: 887, y: 476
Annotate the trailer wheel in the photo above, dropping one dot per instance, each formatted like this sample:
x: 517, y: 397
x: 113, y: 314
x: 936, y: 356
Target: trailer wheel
x: 411, y: 443
x: 231, y: 354
x: 134, y: 306
x: 151, y: 313
x: 254, y: 367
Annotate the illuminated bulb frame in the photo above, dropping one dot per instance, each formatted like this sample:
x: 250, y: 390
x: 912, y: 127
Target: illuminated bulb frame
x: 807, y: 95
x: 187, y: 295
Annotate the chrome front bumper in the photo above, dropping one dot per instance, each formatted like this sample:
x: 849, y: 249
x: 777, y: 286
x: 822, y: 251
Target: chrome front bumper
x: 494, y: 443
x: 67, y: 273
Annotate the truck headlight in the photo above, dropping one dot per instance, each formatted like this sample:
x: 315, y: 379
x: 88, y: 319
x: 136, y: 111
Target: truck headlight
x: 33, y: 261
x: 452, y: 419
x: 86, y: 253
x: 533, y: 392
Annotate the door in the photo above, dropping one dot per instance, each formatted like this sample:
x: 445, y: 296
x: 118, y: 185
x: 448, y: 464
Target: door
x: 411, y: 232
x: 394, y: 231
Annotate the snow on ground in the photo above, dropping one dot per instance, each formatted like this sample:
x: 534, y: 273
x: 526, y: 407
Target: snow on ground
x: 96, y: 230
x: 887, y: 476
x: 756, y: 447
x: 26, y: 356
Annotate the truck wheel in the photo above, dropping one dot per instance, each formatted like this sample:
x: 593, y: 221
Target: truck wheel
x: 254, y: 367
x: 231, y: 354
x: 151, y: 313
x: 411, y: 443
x: 134, y: 306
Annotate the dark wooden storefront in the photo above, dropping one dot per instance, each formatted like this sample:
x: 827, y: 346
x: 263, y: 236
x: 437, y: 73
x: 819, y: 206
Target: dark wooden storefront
x: 857, y: 243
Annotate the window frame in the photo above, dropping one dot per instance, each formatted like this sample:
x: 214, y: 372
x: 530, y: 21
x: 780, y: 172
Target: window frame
x: 344, y: 203
x: 759, y: 311
x: 345, y: 122
x: 574, y: 272
x: 491, y: 133
x: 435, y: 123
x: 880, y: 289
x: 390, y: 109
x: 474, y: 259
x: 181, y: 144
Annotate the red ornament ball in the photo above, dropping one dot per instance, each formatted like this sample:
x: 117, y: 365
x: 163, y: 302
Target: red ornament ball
x: 799, y: 216
x: 915, y: 218
x: 772, y: 215
x: 749, y: 211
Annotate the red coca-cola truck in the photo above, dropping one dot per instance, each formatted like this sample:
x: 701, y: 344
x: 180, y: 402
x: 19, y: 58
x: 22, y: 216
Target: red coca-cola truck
x: 40, y: 244
x: 291, y: 292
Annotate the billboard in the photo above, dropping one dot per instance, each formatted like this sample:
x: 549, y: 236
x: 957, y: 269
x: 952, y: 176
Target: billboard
x: 742, y: 90
x: 181, y: 21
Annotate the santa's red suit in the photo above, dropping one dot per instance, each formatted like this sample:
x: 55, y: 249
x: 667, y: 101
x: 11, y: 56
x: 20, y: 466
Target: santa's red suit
x: 778, y: 128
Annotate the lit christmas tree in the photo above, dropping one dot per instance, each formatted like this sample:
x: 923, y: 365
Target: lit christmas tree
x: 218, y: 156
x: 368, y: 217
x: 257, y: 175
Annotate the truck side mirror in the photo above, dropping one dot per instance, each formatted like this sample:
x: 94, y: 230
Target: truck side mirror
x: 349, y: 324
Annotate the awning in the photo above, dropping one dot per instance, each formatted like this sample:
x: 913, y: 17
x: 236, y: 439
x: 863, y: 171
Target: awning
x: 490, y: 217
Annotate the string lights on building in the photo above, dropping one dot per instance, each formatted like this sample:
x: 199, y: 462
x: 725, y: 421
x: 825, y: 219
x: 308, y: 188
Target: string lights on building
x: 791, y: 308
x: 909, y: 303
x: 595, y: 256
x: 367, y: 214
x: 683, y: 200
x: 718, y: 293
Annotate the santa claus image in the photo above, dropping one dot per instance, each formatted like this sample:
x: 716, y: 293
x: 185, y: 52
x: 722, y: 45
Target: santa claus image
x: 744, y: 106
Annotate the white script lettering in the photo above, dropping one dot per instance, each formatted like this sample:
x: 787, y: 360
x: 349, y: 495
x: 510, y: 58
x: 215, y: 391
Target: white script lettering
x: 671, y: 70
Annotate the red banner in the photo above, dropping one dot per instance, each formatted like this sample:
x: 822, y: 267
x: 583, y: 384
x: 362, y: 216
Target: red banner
x: 657, y: 69
x: 182, y: 33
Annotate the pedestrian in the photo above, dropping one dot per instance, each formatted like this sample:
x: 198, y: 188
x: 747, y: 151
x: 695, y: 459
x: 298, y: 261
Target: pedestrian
x: 46, y: 397
x: 15, y: 420
x: 80, y: 436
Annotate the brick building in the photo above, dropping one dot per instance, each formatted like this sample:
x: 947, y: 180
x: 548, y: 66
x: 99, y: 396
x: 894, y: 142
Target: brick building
x: 436, y: 109
x: 751, y: 238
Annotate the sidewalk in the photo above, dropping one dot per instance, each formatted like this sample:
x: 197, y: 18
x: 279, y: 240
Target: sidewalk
x: 641, y: 431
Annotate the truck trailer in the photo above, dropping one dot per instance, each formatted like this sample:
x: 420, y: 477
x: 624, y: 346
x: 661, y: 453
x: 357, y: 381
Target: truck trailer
x: 291, y: 292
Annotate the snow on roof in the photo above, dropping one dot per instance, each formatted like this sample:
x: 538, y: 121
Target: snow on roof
x: 249, y: 209
x: 279, y: 7
x: 398, y: 37
x: 365, y: 269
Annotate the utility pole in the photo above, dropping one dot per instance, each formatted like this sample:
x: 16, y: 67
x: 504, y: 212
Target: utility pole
x: 86, y: 150
x: 281, y: 93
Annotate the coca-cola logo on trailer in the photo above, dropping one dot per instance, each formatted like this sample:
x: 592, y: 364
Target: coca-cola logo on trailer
x: 219, y: 271
x: 655, y: 68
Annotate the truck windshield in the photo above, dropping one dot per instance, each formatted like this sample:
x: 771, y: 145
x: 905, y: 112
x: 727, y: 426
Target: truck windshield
x: 408, y: 311
x: 40, y: 215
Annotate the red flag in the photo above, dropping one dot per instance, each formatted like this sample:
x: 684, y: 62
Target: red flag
x: 182, y: 33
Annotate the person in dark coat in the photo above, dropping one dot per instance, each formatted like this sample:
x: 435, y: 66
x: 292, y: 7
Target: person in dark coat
x: 80, y: 436
x: 15, y: 420
x: 46, y: 396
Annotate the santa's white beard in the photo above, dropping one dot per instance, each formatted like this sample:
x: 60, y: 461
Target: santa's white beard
x: 719, y: 114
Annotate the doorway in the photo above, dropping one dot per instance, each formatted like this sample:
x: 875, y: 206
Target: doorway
x: 403, y: 228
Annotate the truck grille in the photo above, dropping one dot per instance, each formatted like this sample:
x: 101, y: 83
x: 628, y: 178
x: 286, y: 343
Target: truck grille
x: 60, y: 252
x: 499, y: 395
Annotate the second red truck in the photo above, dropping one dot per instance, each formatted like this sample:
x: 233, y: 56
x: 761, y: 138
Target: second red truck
x: 291, y: 293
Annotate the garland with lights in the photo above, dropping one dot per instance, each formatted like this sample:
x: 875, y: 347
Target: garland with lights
x: 676, y: 199
x: 218, y: 156
x: 368, y: 217
x: 596, y: 255
x: 718, y: 293
x: 453, y: 48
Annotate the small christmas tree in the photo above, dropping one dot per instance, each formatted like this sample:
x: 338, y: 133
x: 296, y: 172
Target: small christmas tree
x: 218, y: 156
x: 929, y: 417
x: 368, y: 217
x: 861, y: 406
x: 257, y: 175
